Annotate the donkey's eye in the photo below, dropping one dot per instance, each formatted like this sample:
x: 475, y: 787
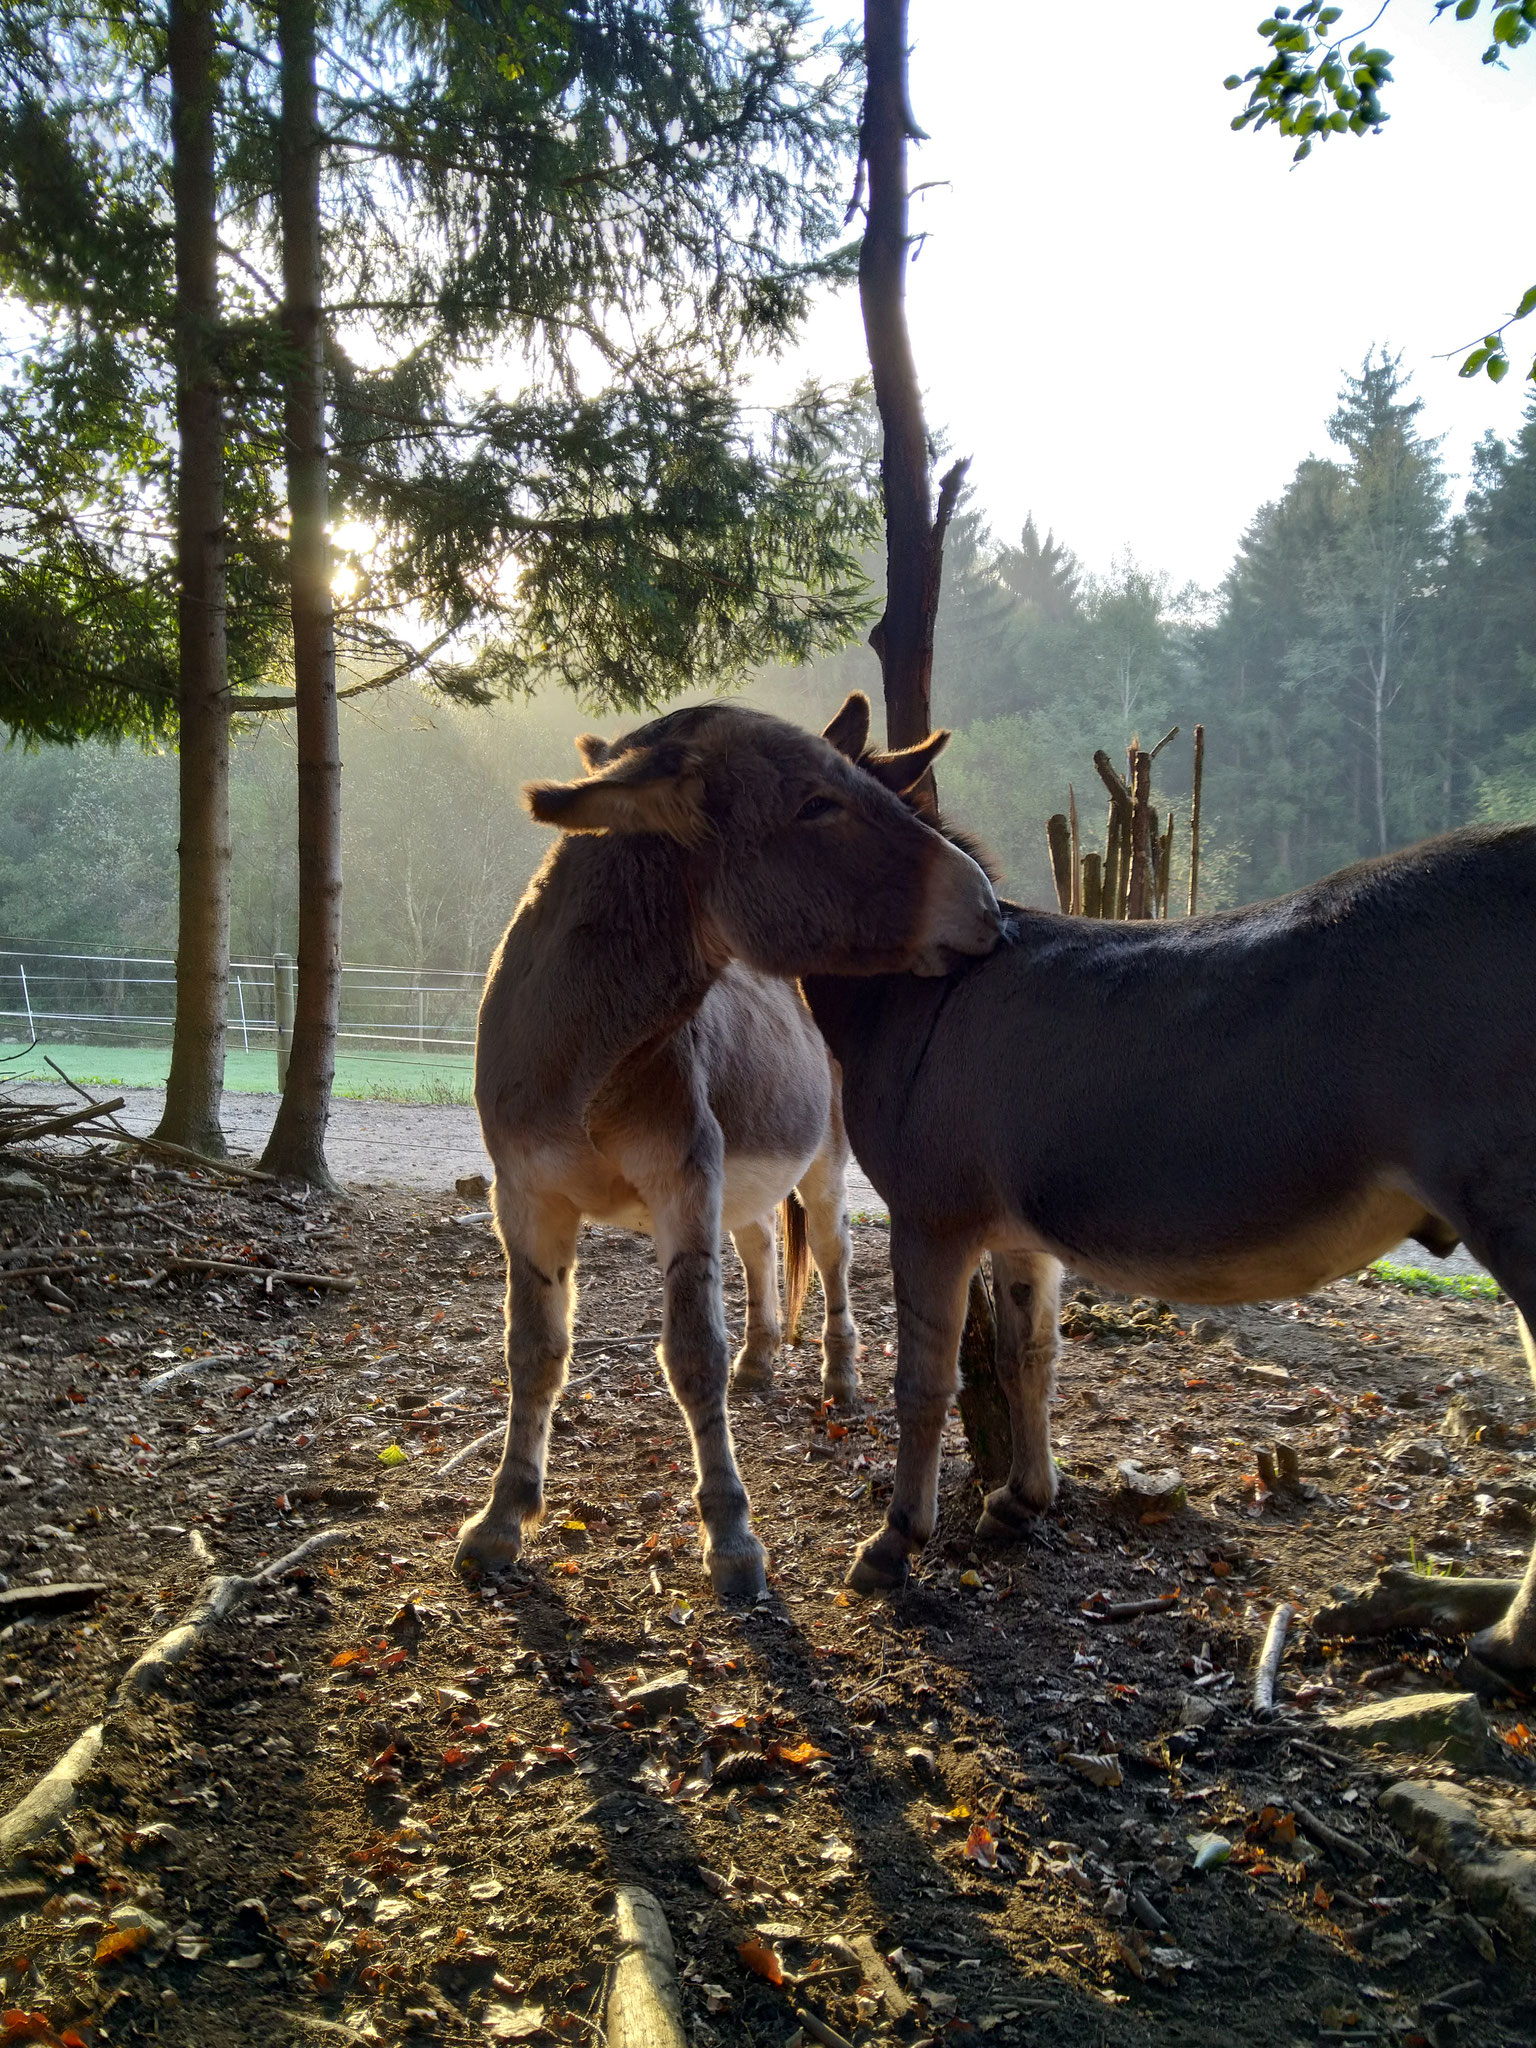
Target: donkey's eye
x: 813, y: 808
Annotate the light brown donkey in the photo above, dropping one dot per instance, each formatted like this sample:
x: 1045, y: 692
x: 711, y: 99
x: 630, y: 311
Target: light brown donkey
x: 627, y: 1069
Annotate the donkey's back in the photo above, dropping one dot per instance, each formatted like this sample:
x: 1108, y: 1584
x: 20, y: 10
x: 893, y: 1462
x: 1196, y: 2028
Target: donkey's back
x: 1230, y: 1108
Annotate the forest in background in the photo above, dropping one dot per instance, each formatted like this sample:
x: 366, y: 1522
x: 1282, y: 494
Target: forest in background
x: 1366, y: 674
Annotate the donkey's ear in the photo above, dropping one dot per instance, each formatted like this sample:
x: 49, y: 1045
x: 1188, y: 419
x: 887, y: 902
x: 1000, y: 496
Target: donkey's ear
x: 899, y: 771
x: 849, y: 731
x: 594, y: 750
x: 658, y: 789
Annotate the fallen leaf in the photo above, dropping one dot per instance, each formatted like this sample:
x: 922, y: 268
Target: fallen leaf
x: 981, y: 1845
x: 759, y: 1957
x: 392, y: 1455
x: 345, y: 1657
x: 799, y: 1754
x: 120, y: 1943
x: 1103, y: 1771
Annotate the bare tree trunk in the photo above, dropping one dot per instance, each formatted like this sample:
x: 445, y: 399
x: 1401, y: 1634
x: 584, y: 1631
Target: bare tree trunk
x: 196, y: 1083
x: 914, y: 528
x: 296, y: 1147
x: 1378, y: 750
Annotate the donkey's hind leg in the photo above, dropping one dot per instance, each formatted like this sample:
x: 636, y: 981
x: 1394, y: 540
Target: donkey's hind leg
x: 694, y: 1351
x: 932, y: 1278
x: 752, y: 1369
x: 1027, y: 1288
x: 1498, y: 1224
x: 824, y: 1191
x: 539, y: 1234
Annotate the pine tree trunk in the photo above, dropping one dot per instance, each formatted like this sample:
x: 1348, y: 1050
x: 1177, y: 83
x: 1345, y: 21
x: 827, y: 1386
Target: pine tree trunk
x: 196, y: 1083
x: 296, y: 1148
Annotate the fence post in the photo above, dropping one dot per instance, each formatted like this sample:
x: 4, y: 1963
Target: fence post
x: 26, y: 997
x: 282, y: 1011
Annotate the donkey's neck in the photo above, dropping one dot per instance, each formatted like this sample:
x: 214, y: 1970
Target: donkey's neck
x: 603, y: 957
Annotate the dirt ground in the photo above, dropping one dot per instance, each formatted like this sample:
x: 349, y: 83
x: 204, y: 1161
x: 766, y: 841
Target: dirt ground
x: 378, y: 1804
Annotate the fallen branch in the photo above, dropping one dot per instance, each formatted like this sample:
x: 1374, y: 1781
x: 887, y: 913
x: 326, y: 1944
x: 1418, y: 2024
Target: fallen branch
x: 66, y: 1121
x: 1404, y: 1598
x: 463, y: 1457
x: 68, y: 1597
x: 185, y: 1370
x: 1327, y: 1837
x: 221, y: 1596
x: 51, y: 1798
x: 1130, y: 1610
x: 1264, y: 1679
x: 644, y: 2008
x: 182, y: 1263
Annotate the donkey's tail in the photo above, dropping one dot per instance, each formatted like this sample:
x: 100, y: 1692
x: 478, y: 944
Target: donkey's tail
x: 797, y: 1262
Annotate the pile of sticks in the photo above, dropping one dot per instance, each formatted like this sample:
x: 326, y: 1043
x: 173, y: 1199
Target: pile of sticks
x: 1133, y: 876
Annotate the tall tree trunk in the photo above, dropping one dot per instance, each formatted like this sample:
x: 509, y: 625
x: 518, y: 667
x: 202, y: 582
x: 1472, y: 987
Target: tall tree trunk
x: 196, y: 1083
x: 914, y: 549
x: 914, y: 527
x: 296, y: 1147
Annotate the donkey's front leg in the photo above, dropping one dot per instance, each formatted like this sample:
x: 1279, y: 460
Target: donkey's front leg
x: 1027, y: 1288
x: 932, y: 1277
x: 539, y: 1233
x: 697, y: 1361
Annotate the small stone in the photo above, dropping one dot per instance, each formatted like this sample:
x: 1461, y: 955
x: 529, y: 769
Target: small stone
x: 1204, y: 1331
x: 473, y: 1187
x: 1418, y: 1454
x: 924, y: 1764
x: 658, y: 1697
x: 21, y: 1187
x: 653, y: 1502
x: 1262, y: 1369
x: 1151, y: 1486
x: 1447, y: 1726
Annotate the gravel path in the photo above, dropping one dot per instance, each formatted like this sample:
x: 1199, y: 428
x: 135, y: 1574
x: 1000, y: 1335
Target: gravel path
x: 424, y: 1146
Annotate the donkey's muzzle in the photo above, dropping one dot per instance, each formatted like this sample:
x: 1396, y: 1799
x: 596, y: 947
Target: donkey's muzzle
x: 959, y: 913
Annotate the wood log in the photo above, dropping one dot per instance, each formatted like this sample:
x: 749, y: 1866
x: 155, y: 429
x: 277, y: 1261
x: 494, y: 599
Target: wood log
x: 1404, y: 1598
x: 1076, y: 905
x: 1058, y: 838
x: 69, y: 1596
x: 1194, y: 820
x: 1093, y: 884
x: 51, y: 1798
x: 52, y: 1126
x: 644, y: 2008
x: 1268, y: 1672
x: 1138, y: 900
x: 1165, y: 868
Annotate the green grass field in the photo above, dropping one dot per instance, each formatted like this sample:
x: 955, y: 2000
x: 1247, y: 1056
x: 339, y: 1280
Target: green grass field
x: 375, y: 1077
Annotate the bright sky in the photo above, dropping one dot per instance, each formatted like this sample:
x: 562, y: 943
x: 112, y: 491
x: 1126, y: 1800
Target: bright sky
x: 1134, y: 320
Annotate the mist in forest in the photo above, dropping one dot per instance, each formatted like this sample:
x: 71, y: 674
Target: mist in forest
x: 1366, y: 674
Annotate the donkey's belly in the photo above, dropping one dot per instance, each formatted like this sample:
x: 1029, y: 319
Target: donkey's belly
x: 753, y: 1187
x: 1318, y: 1249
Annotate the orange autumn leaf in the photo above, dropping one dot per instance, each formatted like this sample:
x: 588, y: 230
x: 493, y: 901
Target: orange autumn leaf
x: 759, y: 1957
x: 799, y: 1754
x: 121, y: 1942
x: 17, y: 2026
x: 345, y: 1657
x: 981, y: 1845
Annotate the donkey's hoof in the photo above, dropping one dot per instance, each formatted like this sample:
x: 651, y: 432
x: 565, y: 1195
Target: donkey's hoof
x: 742, y: 1575
x: 1009, y: 1512
x: 752, y: 1372
x: 840, y: 1386
x: 879, y: 1566
x: 487, y: 1546
x: 1508, y: 1658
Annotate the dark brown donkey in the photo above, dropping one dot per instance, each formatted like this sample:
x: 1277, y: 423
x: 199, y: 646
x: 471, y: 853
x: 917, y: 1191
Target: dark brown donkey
x: 1310, y: 1080
x: 628, y: 1067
